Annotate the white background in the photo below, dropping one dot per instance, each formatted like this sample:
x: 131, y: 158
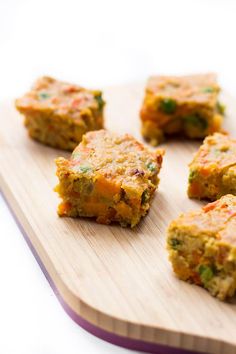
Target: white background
x: 93, y: 43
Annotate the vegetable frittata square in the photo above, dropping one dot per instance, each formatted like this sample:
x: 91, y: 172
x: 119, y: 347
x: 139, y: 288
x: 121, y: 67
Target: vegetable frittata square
x: 186, y: 105
x: 109, y: 177
x: 202, y: 247
x: 213, y: 169
x: 59, y: 113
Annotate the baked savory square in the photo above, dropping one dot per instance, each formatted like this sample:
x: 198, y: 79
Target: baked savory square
x: 58, y: 113
x: 213, y: 169
x: 109, y: 177
x: 202, y: 247
x: 186, y: 105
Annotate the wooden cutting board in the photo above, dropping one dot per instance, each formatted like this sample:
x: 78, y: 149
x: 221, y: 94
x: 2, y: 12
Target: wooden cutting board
x: 116, y: 281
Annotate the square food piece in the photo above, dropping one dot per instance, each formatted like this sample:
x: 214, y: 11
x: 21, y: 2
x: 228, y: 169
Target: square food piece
x: 213, y: 169
x: 186, y: 105
x: 109, y: 177
x: 202, y: 247
x: 58, y: 113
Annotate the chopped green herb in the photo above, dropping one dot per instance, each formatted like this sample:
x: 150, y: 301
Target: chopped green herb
x: 217, y: 152
x: 175, y: 243
x: 208, y: 90
x: 220, y: 107
x: 145, y: 197
x: 75, y: 155
x: 43, y: 95
x: 192, y: 175
x: 206, y: 273
x: 196, y: 121
x: 100, y: 101
x: 84, y: 169
x: 168, y: 106
x: 151, y: 166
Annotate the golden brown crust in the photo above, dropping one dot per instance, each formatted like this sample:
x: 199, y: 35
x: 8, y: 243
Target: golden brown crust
x: 213, y: 169
x: 109, y: 177
x: 189, y: 88
x: 58, y: 113
x: 186, y: 105
x: 202, y: 247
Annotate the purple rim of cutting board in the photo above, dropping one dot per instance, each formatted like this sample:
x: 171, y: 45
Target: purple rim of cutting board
x: 125, y: 342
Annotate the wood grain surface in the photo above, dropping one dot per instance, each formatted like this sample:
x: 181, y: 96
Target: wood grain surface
x: 116, y: 278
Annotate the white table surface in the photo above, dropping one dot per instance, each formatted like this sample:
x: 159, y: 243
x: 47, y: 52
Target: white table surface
x: 93, y: 43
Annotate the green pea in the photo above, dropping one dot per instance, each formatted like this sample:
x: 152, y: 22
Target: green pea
x: 192, y: 175
x: 206, y: 273
x: 43, y: 95
x: 175, y: 243
x: 168, y: 105
x: 84, y: 169
x: 100, y: 101
x: 208, y: 90
x: 220, y: 107
x: 151, y: 166
x: 145, y: 197
x: 197, y: 121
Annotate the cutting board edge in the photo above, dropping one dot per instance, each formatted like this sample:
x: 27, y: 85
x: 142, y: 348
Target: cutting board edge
x: 176, y: 341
